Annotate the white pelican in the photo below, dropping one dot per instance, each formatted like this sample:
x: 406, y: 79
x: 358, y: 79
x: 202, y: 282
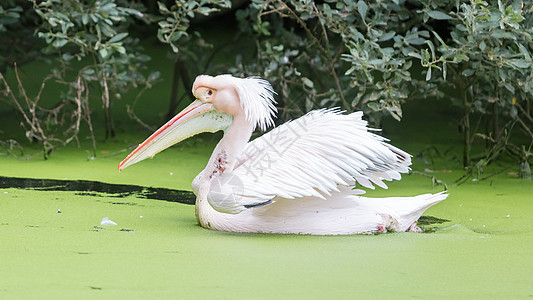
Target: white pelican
x: 298, y: 178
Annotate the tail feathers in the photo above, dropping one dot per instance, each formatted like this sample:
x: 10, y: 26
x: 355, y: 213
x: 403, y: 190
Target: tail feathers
x: 404, y: 211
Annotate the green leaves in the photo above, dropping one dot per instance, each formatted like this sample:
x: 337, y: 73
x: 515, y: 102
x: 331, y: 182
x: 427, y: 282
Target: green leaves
x: 520, y: 63
x: 9, y: 16
x: 93, y: 27
x: 362, y: 8
x: 103, y: 53
x: 487, y: 47
x: 94, y: 34
x: 174, y: 27
x: 118, y: 37
x: 438, y: 15
x: 489, y: 61
x: 460, y: 57
x: 381, y: 74
x: 307, y: 82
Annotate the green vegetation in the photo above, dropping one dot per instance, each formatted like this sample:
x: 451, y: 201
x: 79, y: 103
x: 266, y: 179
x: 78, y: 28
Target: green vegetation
x: 353, y: 54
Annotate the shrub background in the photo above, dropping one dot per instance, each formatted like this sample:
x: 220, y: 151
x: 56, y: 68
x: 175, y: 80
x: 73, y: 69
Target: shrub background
x: 358, y: 55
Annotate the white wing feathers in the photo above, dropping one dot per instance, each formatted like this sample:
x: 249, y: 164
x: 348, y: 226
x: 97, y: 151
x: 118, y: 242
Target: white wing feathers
x: 313, y: 155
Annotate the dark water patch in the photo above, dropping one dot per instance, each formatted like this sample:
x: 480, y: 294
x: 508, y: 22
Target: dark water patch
x: 426, y: 222
x: 91, y: 194
x: 430, y: 220
x: 125, y: 203
x: 97, y: 188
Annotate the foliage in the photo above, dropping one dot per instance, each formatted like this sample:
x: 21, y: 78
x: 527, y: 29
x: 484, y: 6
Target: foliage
x: 17, y: 41
x: 487, y: 58
x: 37, y: 121
x: 368, y: 55
x: 355, y: 54
x: 9, y: 15
x: 91, y: 49
x: 95, y: 33
x: 189, y: 48
x: 352, y: 54
x: 88, y: 46
x: 177, y: 19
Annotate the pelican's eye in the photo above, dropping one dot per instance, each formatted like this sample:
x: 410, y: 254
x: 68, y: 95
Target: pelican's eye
x: 205, y: 94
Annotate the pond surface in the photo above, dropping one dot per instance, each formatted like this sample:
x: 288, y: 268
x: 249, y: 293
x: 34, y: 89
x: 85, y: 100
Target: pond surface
x: 52, y: 245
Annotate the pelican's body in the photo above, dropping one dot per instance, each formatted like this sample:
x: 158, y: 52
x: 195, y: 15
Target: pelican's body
x: 297, y: 178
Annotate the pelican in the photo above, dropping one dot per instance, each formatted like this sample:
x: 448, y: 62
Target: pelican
x: 298, y: 178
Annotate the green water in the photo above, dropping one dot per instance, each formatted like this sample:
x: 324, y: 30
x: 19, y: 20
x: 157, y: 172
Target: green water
x: 484, y: 251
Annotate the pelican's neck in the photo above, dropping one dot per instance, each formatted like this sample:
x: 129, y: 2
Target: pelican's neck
x: 223, y: 160
x: 230, y: 147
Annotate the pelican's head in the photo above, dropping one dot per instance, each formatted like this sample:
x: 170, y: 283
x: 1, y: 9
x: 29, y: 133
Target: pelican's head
x: 218, y: 100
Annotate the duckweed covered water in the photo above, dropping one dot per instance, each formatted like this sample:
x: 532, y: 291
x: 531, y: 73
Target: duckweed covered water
x: 480, y: 249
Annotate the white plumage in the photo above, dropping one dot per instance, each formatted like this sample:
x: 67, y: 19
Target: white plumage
x: 297, y: 178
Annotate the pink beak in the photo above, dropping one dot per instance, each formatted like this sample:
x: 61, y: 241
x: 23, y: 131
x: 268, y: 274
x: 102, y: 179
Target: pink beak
x: 185, y: 124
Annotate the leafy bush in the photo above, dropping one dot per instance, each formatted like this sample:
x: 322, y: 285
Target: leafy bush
x: 9, y: 15
x: 487, y: 58
x: 96, y: 34
x: 367, y: 55
x: 352, y: 54
x: 89, y: 45
x: 17, y: 41
x: 355, y: 54
x: 173, y: 30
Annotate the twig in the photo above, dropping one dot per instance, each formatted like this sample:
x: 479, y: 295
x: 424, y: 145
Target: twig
x: 17, y: 104
x: 110, y: 130
x: 131, y: 113
x: 434, y: 179
x: 525, y: 127
x: 496, y: 173
x: 85, y: 104
x: 33, y: 119
x: 77, y: 114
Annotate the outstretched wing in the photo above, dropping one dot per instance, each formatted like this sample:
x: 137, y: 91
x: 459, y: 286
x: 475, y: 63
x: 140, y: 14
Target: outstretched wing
x: 313, y: 155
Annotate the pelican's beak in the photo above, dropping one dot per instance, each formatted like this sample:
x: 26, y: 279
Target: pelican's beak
x: 196, y: 118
